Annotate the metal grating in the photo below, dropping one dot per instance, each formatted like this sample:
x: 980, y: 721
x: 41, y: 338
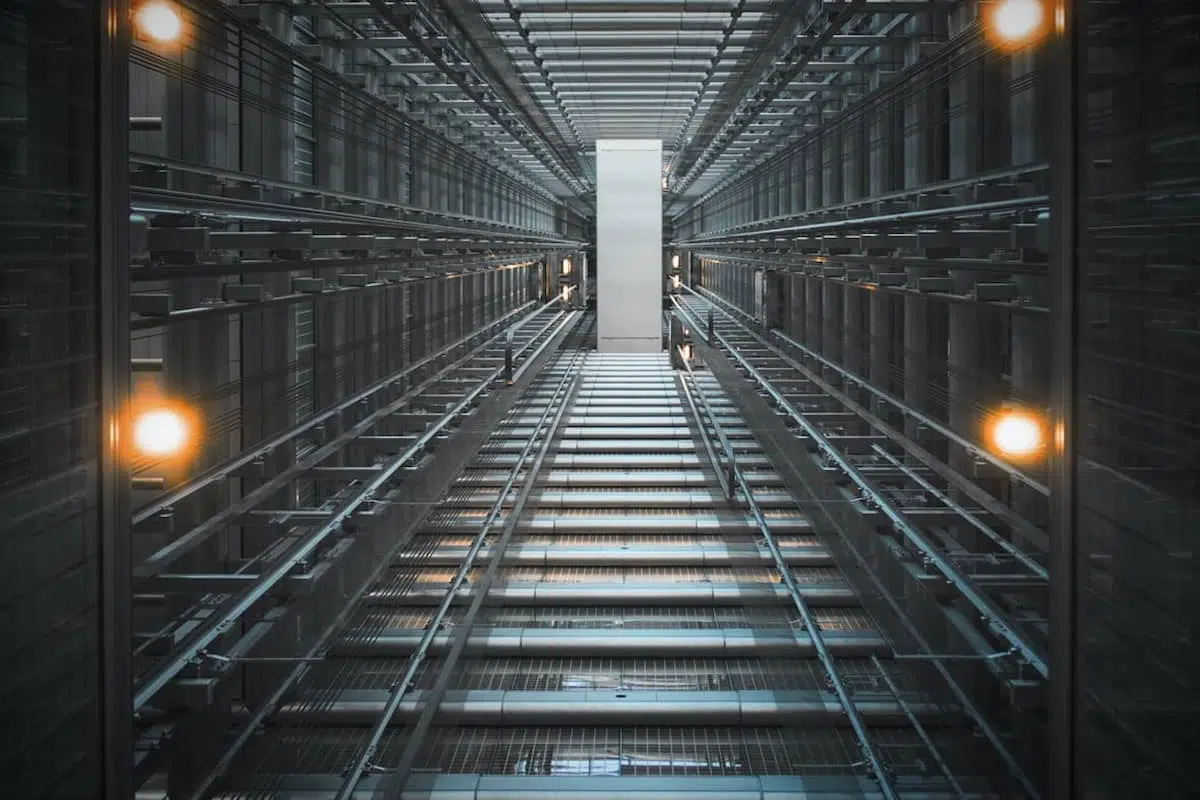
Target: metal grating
x: 676, y: 751
x: 649, y: 674
x: 682, y: 617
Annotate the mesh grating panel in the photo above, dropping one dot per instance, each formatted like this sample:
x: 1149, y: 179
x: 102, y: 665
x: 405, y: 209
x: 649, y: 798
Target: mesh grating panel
x: 657, y: 674
x: 672, y: 751
x: 829, y: 619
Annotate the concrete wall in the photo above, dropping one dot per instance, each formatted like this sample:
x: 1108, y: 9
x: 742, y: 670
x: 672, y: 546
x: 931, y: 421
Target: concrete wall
x: 629, y: 245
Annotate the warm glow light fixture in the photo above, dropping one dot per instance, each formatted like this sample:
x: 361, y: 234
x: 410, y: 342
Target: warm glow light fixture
x: 566, y: 266
x: 675, y: 261
x: 1017, y: 22
x: 160, y: 433
x: 158, y: 20
x: 1016, y: 434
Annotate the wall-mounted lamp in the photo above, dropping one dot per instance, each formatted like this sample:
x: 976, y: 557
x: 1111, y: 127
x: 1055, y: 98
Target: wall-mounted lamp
x: 566, y: 266
x: 1016, y: 23
x: 160, y: 433
x: 1016, y: 434
x: 160, y: 428
x: 675, y: 261
x: 158, y: 20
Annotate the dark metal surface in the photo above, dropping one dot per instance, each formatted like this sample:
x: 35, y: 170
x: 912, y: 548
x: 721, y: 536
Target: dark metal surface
x: 113, y: 380
x: 1063, y: 562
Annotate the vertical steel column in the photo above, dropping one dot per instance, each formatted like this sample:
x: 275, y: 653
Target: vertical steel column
x: 968, y: 117
x: 329, y: 119
x: 796, y: 316
x: 583, y: 278
x: 832, y: 323
x: 1032, y: 120
x: 1067, y: 61
x: 796, y: 181
x: 115, y: 596
x: 924, y: 120
x: 888, y: 144
x: 813, y: 312
x: 854, y: 330
x: 814, y: 194
x: 882, y: 349
x: 965, y: 344
x: 442, y: 310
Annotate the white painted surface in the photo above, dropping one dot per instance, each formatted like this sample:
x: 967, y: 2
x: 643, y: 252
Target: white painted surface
x: 629, y: 245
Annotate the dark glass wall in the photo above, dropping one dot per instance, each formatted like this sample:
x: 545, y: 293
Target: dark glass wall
x: 1137, y: 404
x: 53, y: 478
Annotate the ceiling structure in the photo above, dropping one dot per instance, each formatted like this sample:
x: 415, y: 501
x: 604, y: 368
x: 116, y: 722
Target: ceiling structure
x: 723, y: 83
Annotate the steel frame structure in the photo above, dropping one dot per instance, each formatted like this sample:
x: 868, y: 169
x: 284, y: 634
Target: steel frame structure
x: 340, y: 209
x: 710, y: 428
x: 822, y: 421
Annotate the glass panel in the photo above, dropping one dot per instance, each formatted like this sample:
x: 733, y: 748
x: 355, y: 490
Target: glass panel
x: 49, y: 398
x: 1139, y: 430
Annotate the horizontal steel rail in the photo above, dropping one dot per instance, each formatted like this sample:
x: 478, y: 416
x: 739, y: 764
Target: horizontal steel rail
x: 220, y: 623
x: 318, y: 651
x: 906, y: 195
x: 484, y: 225
x: 992, y: 614
x: 475, y: 256
x: 879, y: 770
x: 158, y: 561
x: 968, y: 210
x: 971, y: 447
x: 986, y: 501
x: 918, y: 727
x: 147, y: 200
x: 1008, y: 547
x: 444, y: 786
x: 547, y: 428
x: 900, y: 613
x: 246, y: 457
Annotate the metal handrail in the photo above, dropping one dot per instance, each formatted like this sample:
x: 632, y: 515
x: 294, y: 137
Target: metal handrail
x: 496, y: 228
x: 166, y: 555
x: 983, y: 604
x: 870, y: 752
x: 890, y: 197
x: 972, y: 448
x: 960, y: 696
x: 223, y: 470
x: 550, y: 422
x: 218, y: 624
x: 726, y: 486
x: 922, y: 734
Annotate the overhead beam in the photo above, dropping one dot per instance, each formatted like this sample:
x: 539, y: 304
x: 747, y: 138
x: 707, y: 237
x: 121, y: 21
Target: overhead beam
x: 629, y: 8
